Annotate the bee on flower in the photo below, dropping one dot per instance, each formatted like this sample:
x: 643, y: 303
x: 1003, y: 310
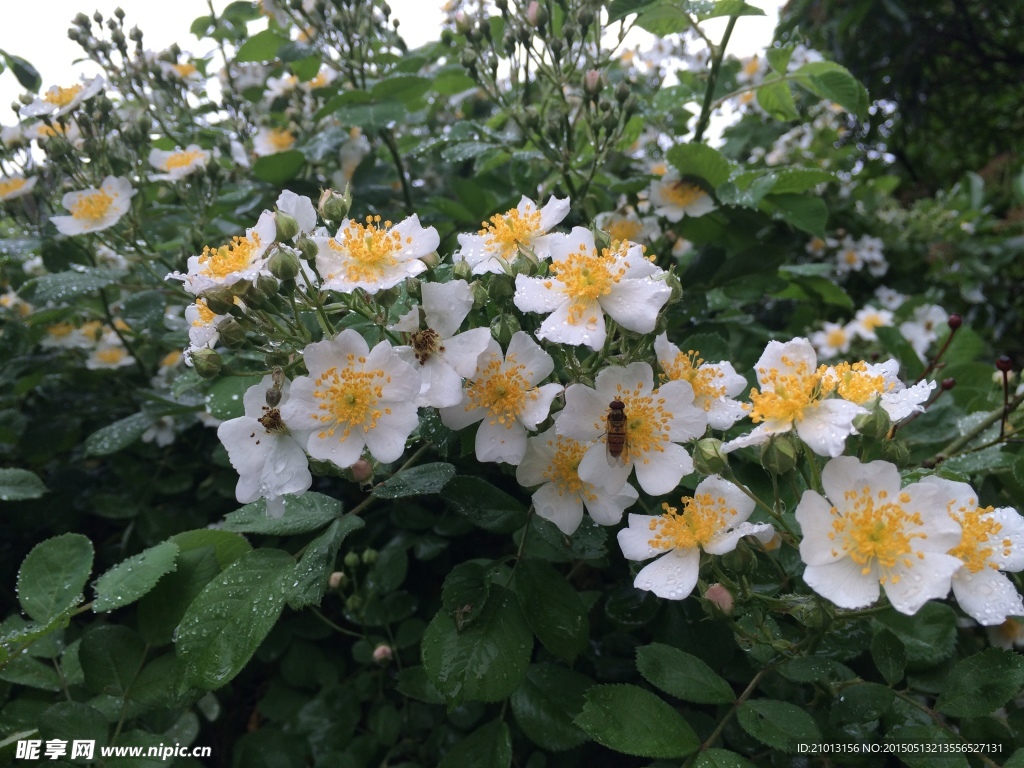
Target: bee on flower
x: 523, y: 229
x: 657, y: 420
x: 584, y: 284
x: 713, y: 520
x: 504, y: 395
x: 93, y: 210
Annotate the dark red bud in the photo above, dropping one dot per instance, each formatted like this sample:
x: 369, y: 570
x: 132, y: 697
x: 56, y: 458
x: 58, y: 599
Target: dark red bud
x: 948, y: 384
x: 955, y: 321
x: 1004, y: 364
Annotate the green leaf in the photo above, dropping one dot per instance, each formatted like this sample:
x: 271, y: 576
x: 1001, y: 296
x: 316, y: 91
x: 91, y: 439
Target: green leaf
x: 302, y: 514
x: 861, y: 703
x: 224, y: 400
x: 982, y: 683
x: 20, y: 484
x: 226, y: 546
x: 404, y: 88
x: 929, y: 636
x: 372, y: 117
x: 700, y: 160
x: 418, y: 481
x: 161, y: 683
x: 815, y: 288
x: 53, y: 575
x: 314, y: 569
x: 778, y: 724
x: 894, y: 343
x: 484, y: 662
x: 546, y: 704
x: 117, y: 436
x: 631, y: 720
x: 30, y: 672
x: 262, y: 46
x: 619, y: 9
x: 413, y: 682
x: 487, y: 747
x: 721, y: 758
x: 835, y: 83
x: 552, y: 608
x: 664, y: 18
x: 279, y: 167
x: 73, y: 721
x: 809, y: 214
x: 684, y: 676
x: 127, y: 582
x: 229, y: 619
x: 889, y: 655
x: 26, y: 74
x: 452, y: 81
x: 778, y: 58
x: 728, y: 8
x: 66, y: 287
x: 111, y: 657
x: 484, y: 505
x: 464, y: 593
x: 777, y: 100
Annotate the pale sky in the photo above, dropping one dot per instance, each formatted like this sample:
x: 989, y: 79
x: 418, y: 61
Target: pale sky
x: 37, y: 31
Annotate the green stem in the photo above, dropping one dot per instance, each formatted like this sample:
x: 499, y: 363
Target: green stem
x: 957, y: 445
x: 716, y: 66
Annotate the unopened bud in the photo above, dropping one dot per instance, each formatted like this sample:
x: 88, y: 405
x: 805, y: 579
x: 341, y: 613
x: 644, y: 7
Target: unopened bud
x: 284, y: 263
x: 307, y: 248
x: 875, y: 423
x: 592, y: 83
x: 947, y: 384
x: 263, y: 290
x: 232, y: 335
x: 1004, y: 363
x: 720, y: 597
x: 369, y: 556
x: 337, y: 580
x: 779, y: 455
x: 622, y: 91
x: 362, y: 471
x: 206, y: 362
x: 536, y: 14
x: 462, y: 270
x: 219, y: 300
x: 501, y: 288
x: 673, y: 282
x: 954, y: 321
x: 334, y: 206
x: 432, y: 259
x: 354, y: 603
x: 387, y: 297
x: 287, y: 226
x: 708, y: 458
x: 351, y: 560
x: 503, y: 327
x: 383, y: 654
x: 463, y: 23
x: 585, y: 16
x: 895, y: 451
x: 480, y: 297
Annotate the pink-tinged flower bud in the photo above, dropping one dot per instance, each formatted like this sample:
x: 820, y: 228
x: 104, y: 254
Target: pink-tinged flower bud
x: 592, y: 82
x: 462, y: 23
x: 362, y: 471
x: 336, y: 579
x: 720, y: 597
x: 383, y: 653
x: 955, y: 321
x: 536, y: 14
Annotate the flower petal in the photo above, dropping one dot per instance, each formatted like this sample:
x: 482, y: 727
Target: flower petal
x: 988, y: 597
x: 844, y: 583
x: 928, y: 578
x: 565, y: 510
x: 672, y: 576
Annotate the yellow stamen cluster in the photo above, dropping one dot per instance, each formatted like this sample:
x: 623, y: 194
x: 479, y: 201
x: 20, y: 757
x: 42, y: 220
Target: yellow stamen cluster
x: 233, y: 257
x: 111, y: 355
x: 350, y: 398
x: 703, y: 517
x: 873, y: 320
x: 854, y: 383
x: 507, y: 232
x: 93, y: 206
x: 184, y: 70
x: 171, y: 359
x: 850, y: 257
x: 682, y: 194
x: 564, y: 469
x: 786, y: 396
x: 370, y: 249
x: 586, y: 277
x: 10, y: 186
x: 875, y: 531
x: 836, y: 338
x: 60, y: 330
x: 687, y: 367
x: 624, y: 228
x: 206, y: 315
x: 61, y: 97
x: 182, y: 159
x: 281, y: 139
x: 979, y: 534
x: 502, y: 389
